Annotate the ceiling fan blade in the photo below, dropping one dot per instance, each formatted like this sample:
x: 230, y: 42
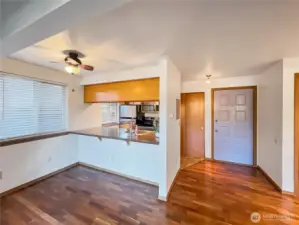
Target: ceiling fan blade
x: 87, y: 67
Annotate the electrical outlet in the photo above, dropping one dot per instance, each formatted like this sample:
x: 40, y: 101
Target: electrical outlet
x: 49, y: 159
x: 0, y: 175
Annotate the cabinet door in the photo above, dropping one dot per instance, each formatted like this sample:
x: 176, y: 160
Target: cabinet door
x: 126, y: 91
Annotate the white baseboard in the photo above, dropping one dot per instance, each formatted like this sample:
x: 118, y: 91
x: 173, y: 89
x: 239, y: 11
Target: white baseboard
x: 162, y: 198
x: 118, y: 174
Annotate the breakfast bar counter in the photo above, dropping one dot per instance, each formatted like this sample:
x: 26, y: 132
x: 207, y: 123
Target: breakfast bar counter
x: 119, y: 133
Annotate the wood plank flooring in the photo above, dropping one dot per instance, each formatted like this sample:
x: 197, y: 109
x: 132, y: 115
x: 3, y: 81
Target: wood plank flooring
x: 190, y: 161
x: 206, y: 193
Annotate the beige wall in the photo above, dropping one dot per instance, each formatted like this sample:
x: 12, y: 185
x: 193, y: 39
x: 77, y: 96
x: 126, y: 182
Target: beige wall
x: 270, y: 122
x: 173, y: 125
x: 290, y: 67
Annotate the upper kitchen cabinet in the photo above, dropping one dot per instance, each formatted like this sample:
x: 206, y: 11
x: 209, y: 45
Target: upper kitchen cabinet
x: 125, y: 91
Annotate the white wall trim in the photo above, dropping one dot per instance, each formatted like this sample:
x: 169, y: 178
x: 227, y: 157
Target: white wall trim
x: 117, y: 173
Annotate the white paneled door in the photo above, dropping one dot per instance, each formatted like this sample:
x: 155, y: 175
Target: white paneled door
x: 233, y: 125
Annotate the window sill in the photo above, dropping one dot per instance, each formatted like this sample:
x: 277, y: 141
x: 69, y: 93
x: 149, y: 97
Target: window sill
x: 21, y: 140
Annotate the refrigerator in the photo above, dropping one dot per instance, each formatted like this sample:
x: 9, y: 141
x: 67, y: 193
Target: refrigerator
x: 127, y: 112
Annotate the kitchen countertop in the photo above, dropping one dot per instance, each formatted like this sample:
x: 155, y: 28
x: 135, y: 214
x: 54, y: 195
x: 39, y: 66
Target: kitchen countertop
x: 119, y: 133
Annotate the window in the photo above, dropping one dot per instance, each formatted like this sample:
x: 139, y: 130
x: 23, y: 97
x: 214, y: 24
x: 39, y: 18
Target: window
x: 51, y: 107
x: 30, y: 107
x: 110, y: 112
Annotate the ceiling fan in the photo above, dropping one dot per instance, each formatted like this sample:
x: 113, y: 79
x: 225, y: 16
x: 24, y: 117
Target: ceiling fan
x: 74, y: 64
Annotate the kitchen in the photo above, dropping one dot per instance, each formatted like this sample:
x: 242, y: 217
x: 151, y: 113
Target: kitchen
x: 140, y: 115
x: 132, y: 121
x: 122, y: 117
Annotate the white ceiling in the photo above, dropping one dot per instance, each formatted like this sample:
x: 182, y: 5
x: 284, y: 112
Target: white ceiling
x: 222, y: 37
x: 10, y: 7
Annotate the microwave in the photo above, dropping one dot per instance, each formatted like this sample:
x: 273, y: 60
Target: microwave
x: 150, y: 107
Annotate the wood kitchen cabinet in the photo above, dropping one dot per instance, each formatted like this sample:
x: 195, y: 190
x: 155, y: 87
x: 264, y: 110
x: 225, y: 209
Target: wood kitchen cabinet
x: 124, y: 91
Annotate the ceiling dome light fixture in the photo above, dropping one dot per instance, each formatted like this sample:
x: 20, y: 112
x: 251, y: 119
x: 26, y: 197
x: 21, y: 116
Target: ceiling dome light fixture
x: 208, y: 76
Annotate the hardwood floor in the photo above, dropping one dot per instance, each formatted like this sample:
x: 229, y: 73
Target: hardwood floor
x: 190, y: 161
x: 207, y: 193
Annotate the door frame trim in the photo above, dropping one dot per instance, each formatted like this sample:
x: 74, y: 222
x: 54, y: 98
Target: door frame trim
x: 254, y: 88
x: 182, y: 122
x: 296, y: 133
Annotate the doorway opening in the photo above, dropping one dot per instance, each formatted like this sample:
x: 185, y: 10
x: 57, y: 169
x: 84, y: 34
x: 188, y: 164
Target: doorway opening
x: 192, y: 128
x: 234, y: 125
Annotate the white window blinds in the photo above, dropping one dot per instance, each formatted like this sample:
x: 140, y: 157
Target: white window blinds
x: 51, y: 107
x: 30, y: 107
x: 19, y: 107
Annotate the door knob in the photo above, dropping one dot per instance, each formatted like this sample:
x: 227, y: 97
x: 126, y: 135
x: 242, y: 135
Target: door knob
x: 216, y: 130
x: 201, y: 128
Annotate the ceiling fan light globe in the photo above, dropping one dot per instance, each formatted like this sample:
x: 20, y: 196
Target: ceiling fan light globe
x: 76, y: 70
x: 69, y: 69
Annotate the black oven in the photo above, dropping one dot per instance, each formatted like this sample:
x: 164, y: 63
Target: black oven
x: 143, y: 121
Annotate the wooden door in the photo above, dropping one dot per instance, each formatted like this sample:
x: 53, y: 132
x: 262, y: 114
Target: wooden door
x: 296, y: 135
x: 192, y: 125
x: 233, y: 126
